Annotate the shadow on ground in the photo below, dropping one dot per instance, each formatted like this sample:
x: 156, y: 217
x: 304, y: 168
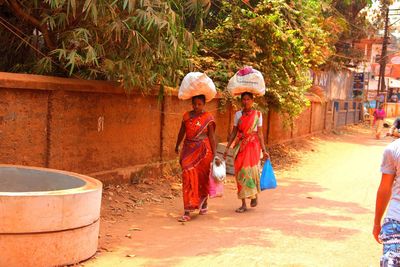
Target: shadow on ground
x: 290, y: 210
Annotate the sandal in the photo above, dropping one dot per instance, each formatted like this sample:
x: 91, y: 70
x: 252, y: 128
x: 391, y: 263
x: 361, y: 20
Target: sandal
x: 253, y: 202
x: 241, y: 209
x: 203, y: 211
x: 184, y: 218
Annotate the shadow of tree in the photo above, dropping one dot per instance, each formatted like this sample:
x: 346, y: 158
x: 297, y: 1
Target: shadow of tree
x: 297, y: 209
x: 289, y: 210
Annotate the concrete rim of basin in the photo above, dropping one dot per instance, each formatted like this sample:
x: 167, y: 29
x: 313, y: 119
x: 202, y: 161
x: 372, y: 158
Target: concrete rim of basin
x: 56, y: 224
x: 90, y: 183
x: 50, y: 211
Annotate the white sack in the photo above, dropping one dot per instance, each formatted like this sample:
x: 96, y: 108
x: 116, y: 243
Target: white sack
x: 197, y: 83
x: 219, y: 172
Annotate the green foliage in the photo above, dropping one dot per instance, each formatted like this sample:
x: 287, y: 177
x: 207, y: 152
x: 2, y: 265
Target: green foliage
x: 348, y: 19
x: 140, y: 43
x: 282, y: 39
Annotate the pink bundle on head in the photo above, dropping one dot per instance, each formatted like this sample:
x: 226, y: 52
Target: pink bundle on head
x: 248, y: 80
x: 245, y: 71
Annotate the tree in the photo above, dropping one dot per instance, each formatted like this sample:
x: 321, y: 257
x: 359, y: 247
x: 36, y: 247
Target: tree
x: 140, y: 43
x: 351, y: 23
x: 282, y: 39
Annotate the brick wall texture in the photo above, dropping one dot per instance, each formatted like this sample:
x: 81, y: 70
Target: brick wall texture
x: 88, y: 126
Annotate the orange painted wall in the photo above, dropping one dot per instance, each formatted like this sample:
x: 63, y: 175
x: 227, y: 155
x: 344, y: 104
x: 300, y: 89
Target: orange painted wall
x: 91, y: 126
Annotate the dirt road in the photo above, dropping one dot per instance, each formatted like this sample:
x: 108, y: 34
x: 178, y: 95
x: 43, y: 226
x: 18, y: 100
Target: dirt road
x: 321, y: 214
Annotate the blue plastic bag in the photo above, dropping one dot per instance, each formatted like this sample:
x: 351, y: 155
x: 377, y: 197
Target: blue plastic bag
x: 267, y: 180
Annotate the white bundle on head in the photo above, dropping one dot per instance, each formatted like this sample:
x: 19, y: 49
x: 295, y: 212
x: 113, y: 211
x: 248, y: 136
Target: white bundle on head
x: 197, y: 83
x: 247, y: 80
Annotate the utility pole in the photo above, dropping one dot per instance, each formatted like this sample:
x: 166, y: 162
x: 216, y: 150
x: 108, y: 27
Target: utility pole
x: 382, y: 61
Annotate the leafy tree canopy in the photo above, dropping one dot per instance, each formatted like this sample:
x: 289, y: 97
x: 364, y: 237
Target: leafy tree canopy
x: 282, y: 39
x: 142, y: 43
x: 350, y: 25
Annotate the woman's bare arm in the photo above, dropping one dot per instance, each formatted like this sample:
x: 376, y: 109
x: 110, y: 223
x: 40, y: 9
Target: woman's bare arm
x: 211, y: 137
x: 232, y: 137
x: 181, y: 135
x: 261, y: 139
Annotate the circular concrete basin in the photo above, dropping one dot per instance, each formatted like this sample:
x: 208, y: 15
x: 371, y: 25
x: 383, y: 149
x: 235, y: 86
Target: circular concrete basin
x: 47, y: 217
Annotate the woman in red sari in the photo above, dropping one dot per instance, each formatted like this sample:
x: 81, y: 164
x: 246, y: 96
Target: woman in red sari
x: 250, y: 142
x: 198, y: 150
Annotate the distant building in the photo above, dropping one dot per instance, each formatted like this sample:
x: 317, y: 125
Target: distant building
x: 372, y: 48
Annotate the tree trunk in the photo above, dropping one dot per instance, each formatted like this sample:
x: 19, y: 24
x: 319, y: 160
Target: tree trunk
x: 18, y: 10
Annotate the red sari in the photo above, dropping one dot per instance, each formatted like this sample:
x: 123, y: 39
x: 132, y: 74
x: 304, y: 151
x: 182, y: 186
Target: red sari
x: 195, y: 159
x: 247, y: 156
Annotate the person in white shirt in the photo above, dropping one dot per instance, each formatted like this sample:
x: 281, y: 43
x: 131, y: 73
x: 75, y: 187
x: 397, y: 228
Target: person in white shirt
x: 387, y: 232
x: 248, y: 129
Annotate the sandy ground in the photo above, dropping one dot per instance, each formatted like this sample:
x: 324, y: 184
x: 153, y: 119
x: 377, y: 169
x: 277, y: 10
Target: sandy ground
x: 321, y: 214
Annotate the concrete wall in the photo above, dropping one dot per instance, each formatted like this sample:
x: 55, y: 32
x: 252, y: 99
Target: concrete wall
x: 336, y: 84
x: 92, y: 127
x: 91, y: 132
x: 346, y: 112
x: 23, y: 126
x: 392, y: 109
x: 318, y: 116
x: 277, y: 130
